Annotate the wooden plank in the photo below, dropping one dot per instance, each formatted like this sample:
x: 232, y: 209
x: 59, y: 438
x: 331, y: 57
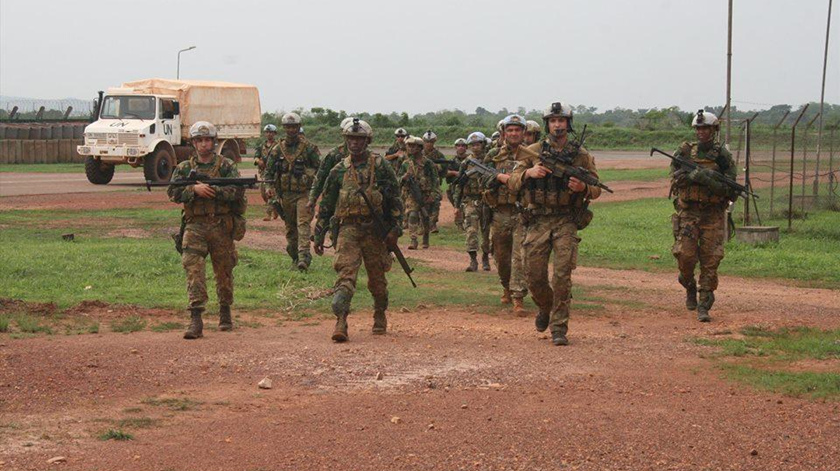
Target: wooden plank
x: 52, y: 151
x: 4, y: 152
x: 18, y: 151
x: 28, y: 156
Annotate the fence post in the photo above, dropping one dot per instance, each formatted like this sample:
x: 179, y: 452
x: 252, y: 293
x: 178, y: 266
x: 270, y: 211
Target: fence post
x: 773, y: 162
x: 805, y: 158
x: 792, y: 154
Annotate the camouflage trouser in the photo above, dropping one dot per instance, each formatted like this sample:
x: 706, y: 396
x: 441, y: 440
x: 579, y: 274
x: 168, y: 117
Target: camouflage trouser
x: 434, y: 211
x: 297, y: 221
x: 459, y: 213
x: 485, y: 229
x: 505, y: 224
x: 357, y: 243
x: 417, y: 226
x: 472, y: 224
x: 519, y: 277
x: 215, y: 239
x: 699, y: 236
x: 546, y: 234
x: 265, y: 188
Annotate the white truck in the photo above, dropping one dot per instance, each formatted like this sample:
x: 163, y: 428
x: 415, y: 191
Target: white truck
x: 146, y: 123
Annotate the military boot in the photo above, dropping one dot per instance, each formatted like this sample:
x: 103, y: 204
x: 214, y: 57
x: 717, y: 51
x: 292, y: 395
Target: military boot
x: 434, y: 229
x: 541, y: 321
x: 293, y: 254
x: 413, y: 244
x: 485, y: 261
x: 340, y: 307
x: 426, y: 240
x: 519, y: 308
x: 690, y: 293
x: 196, y: 328
x: 380, y: 322
x: 559, y: 339
x: 707, y: 299
x: 506, y: 299
x: 473, y: 262
x: 225, y: 320
x: 303, y: 261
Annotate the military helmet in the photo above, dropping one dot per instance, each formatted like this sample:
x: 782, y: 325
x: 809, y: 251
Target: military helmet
x: 345, y: 122
x: 477, y: 136
x: 558, y: 110
x: 496, y: 135
x: 413, y: 140
x: 513, y: 120
x: 358, y: 128
x: 203, y: 129
x: 460, y: 141
x: 704, y: 118
x: 499, y: 124
x: 290, y: 118
x: 270, y: 128
x: 532, y: 126
x: 429, y: 136
x: 400, y: 132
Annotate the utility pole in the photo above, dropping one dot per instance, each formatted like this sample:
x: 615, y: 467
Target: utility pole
x: 178, y: 70
x: 729, y: 74
x: 822, y: 102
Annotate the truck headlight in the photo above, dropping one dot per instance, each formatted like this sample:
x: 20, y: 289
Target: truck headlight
x: 132, y: 151
x: 84, y: 150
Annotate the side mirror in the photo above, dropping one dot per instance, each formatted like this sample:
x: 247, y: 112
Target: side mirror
x: 176, y: 110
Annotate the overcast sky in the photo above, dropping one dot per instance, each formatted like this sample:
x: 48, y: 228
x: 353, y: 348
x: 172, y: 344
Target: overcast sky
x: 418, y: 56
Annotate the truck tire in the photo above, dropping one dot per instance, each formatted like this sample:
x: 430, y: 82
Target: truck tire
x: 97, y: 172
x: 158, y: 166
x: 231, y: 154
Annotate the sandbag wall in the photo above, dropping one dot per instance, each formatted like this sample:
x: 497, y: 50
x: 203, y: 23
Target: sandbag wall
x: 41, y: 143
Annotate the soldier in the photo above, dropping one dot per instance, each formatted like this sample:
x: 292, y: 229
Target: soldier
x: 451, y: 175
x: 357, y: 243
x: 505, y: 224
x: 424, y: 174
x: 292, y: 165
x: 556, y: 208
x: 260, y: 160
x: 213, y: 217
x: 431, y: 153
x: 700, y: 204
x: 333, y: 157
x: 467, y: 196
x: 532, y: 132
x: 396, y: 153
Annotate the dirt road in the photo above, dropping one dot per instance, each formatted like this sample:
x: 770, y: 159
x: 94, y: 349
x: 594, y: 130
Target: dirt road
x: 455, y: 388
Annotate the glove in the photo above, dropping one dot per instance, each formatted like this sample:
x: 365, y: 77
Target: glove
x: 393, y: 236
x: 707, y: 177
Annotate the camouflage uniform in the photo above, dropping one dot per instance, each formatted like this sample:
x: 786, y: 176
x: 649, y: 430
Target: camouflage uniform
x: 552, y: 215
x: 293, y: 166
x: 507, y: 250
x: 334, y: 156
x: 261, y: 153
x: 357, y: 242
x: 468, y: 197
x: 698, y: 223
x: 209, y: 230
x: 450, y: 192
x: 426, y: 174
x: 434, y: 214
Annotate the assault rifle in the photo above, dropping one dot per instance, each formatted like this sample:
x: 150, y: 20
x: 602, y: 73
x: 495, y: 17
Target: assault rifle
x: 195, y: 177
x: 476, y: 167
x: 417, y: 196
x: 447, y: 164
x: 689, y: 165
x: 562, y: 164
x: 382, y: 230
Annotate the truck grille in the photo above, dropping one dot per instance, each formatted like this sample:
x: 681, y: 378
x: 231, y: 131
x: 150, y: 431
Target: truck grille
x: 127, y: 139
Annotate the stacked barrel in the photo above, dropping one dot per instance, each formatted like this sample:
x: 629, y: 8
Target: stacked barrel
x: 41, y: 143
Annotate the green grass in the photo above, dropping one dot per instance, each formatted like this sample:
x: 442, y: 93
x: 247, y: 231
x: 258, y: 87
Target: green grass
x: 760, y: 356
x: 167, y: 326
x: 57, y: 168
x: 128, y: 325
x: 175, y: 404
x: 4, y: 323
x: 81, y: 327
x: 31, y: 325
x: 115, y: 434
x: 635, y: 175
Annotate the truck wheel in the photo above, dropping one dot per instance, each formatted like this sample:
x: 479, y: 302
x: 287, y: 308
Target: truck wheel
x: 97, y: 172
x: 158, y: 166
x: 231, y: 154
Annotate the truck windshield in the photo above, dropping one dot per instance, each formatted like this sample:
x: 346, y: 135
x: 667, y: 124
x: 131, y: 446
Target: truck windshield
x: 128, y: 107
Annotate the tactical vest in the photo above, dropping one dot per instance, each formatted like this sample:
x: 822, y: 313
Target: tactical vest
x: 292, y: 171
x: 350, y: 203
x: 696, y: 193
x: 199, y: 207
x: 552, y: 193
x: 501, y: 194
x: 419, y: 172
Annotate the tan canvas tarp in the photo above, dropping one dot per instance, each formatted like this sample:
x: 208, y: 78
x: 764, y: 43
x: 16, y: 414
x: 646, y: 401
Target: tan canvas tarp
x: 224, y: 104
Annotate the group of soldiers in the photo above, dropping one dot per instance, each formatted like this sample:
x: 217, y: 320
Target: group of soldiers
x: 509, y: 202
